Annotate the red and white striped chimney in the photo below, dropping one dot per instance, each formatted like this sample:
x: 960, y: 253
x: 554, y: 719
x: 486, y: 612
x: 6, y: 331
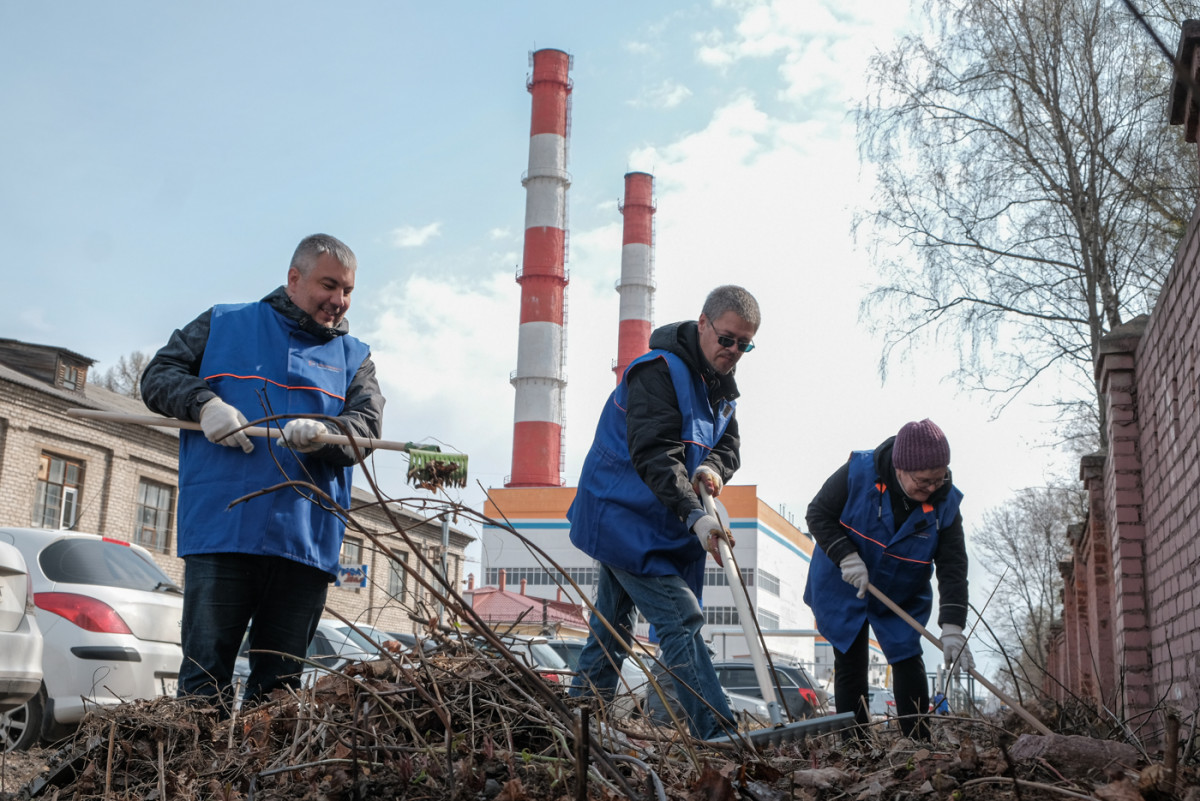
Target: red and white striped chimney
x: 636, y: 286
x: 540, y: 376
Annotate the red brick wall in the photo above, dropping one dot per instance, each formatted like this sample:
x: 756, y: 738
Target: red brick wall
x: 1131, y: 619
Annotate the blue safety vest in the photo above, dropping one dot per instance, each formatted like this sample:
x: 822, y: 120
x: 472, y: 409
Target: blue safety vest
x: 899, y: 562
x: 615, y: 518
x: 262, y: 363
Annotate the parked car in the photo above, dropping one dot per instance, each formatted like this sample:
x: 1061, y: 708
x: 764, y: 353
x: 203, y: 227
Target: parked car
x: 881, y: 703
x: 797, y: 694
x: 333, y: 646
x: 110, y: 623
x: 746, y: 708
x: 411, y: 641
x: 20, y: 637
x: 534, y: 652
x: 634, y: 680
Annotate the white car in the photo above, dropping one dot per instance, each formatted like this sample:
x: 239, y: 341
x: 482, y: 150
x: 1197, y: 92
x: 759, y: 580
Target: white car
x: 334, y: 645
x: 110, y: 621
x: 20, y: 637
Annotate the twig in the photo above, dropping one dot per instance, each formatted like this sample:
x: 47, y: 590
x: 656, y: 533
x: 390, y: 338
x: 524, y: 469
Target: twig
x: 1025, y: 783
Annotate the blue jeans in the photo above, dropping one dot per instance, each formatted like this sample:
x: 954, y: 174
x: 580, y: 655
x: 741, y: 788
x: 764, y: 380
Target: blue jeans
x: 668, y: 603
x: 222, y: 593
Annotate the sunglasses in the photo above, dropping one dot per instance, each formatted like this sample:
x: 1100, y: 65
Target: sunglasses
x: 730, y: 342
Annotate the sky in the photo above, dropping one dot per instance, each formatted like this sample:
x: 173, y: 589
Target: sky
x: 163, y: 157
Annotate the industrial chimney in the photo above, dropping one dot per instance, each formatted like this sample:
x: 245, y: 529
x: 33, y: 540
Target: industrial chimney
x: 541, y: 356
x: 636, y: 286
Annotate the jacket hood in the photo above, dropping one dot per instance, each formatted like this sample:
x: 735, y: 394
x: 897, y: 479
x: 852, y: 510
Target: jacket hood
x: 280, y: 302
x: 683, y: 339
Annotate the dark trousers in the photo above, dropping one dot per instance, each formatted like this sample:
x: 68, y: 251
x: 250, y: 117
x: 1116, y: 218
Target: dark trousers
x: 851, y: 685
x: 222, y: 593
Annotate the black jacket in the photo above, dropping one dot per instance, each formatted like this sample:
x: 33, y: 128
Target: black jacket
x: 654, y: 423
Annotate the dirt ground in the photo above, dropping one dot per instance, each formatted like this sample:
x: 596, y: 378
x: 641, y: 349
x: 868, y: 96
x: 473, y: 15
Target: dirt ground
x: 474, y: 728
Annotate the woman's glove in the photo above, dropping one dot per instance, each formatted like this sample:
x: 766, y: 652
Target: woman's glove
x: 218, y: 419
x: 300, y: 434
x: 854, y: 571
x: 954, y: 649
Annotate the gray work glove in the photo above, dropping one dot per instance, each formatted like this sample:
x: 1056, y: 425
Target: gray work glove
x: 954, y: 649
x: 711, y: 478
x: 218, y: 419
x: 854, y: 571
x: 300, y: 435
x: 707, y: 529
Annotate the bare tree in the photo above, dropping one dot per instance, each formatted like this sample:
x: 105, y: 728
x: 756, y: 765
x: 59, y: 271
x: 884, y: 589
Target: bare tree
x: 1021, y: 544
x: 1030, y: 192
x: 125, y: 376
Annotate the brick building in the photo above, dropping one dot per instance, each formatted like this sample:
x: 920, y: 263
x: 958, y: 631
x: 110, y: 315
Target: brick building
x: 1130, y: 634
x: 121, y: 480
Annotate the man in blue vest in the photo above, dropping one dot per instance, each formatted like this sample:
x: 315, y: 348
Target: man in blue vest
x: 266, y: 561
x: 668, y: 426
x: 887, y: 517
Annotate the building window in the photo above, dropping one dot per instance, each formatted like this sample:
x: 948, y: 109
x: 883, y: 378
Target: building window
x: 715, y: 577
x: 721, y: 616
x: 59, y: 483
x: 768, y: 582
x: 351, y: 552
x: 539, y: 577
x: 73, y: 377
x: 397, y: 576
x: 153, y: 529
x: 768, y: 621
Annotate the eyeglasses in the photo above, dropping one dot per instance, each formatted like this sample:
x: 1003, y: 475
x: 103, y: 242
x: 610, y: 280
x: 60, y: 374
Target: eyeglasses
x: 927, y: 483
x: 729, y: 342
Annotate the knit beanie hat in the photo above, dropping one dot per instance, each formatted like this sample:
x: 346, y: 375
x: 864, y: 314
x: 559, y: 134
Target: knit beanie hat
x: 920, y: 446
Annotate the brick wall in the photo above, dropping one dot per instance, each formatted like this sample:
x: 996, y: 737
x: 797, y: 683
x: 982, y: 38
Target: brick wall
x: 1133, y: 592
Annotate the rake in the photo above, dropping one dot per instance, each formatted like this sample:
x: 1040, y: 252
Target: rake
x: 778, y: 732
x: 428, y: 467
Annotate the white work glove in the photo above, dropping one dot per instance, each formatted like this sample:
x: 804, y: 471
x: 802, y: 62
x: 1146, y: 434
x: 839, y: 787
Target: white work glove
x: 854, y: 571
x: 218, y: 419
x: 300, y: 434
x: 714, y: 484
x: 707, y: 528
x: 954, y: 649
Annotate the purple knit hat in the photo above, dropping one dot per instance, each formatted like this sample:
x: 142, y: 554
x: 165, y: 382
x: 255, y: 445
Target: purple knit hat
x: 920, y: 446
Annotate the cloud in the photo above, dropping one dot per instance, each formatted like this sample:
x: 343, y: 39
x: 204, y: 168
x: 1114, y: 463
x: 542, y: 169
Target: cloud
x: 815, y: 39
x: 409, y: 236
x: 667, y: 94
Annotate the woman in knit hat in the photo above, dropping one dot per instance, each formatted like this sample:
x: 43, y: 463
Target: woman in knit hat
x: 887, y: 517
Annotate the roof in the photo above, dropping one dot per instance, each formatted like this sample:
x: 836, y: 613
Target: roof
x: 495, y: 605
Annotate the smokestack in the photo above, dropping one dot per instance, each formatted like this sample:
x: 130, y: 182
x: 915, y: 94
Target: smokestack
x: 540, y: 375
x: 636, y: 286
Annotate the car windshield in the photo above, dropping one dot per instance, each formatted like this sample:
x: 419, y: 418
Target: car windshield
x: 108, y: 564
x: 545, y: 656
x: 365, y: 644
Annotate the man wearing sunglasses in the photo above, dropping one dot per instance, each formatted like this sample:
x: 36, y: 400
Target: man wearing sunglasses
x: 668, y: 427
x: 887, y: 517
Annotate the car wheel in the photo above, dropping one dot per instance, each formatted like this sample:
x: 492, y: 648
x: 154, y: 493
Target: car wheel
x: 22, y: 727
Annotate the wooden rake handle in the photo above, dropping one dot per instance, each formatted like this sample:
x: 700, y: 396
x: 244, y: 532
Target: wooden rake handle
x: 979, y: 677
x: 365, y: 443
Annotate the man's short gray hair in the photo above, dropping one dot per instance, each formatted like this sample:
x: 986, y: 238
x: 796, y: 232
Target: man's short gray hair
x: 730, y: 298
x: 313, y: 247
